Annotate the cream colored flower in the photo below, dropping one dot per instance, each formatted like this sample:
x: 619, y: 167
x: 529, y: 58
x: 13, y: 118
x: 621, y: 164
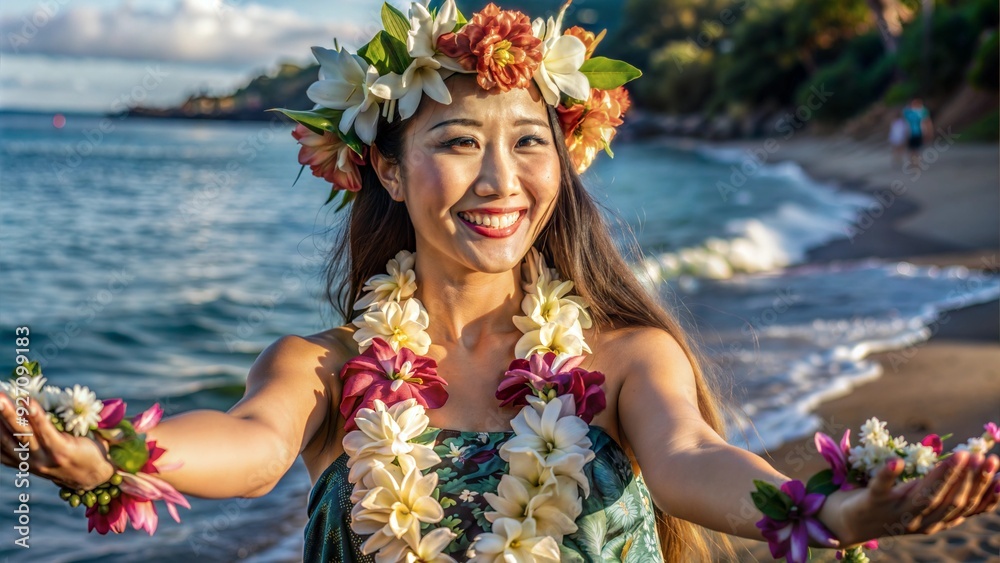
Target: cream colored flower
x: 546, y: 297
x: 558, y: 440
x: 345, y: 83
x: 554, y: 506
x: 79, y: 409
x: 394, y: 509
x: 383, y: 436
x: 399, y: 284
x: 400, y: 324
x: 427, y: 551
x: 563, y: 337
x: 512, y: 541
x: 562, y: 57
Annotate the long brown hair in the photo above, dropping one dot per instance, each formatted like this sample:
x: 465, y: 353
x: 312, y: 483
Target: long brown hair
x: 576, y: 241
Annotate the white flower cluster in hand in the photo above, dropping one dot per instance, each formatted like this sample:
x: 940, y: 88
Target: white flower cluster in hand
x: 391, y: 497
x: 919, y: 459
x: 78, y: 407
x: 876, y: 447
x: 977, y: 445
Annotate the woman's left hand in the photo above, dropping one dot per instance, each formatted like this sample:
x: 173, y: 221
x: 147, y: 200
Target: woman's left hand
x: 959, y: 487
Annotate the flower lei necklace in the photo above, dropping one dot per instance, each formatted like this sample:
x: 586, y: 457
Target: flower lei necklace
x: 387, y: 388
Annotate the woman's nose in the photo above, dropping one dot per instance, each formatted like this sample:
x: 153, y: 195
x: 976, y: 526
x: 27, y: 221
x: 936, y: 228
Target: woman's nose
x: 498, y: 174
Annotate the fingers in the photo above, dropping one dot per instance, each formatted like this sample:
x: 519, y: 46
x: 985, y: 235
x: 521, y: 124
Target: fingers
x: 955, y: 503
x: 885, y: 480
x: 934, y: 488
x: 45, y: 432
x: 15, y: 422
x: 984, y: 482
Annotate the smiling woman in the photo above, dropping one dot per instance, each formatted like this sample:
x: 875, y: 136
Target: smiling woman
x: 507, y: 390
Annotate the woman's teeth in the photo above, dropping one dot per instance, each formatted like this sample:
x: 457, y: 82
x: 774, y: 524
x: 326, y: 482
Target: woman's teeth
x: 490, y: 220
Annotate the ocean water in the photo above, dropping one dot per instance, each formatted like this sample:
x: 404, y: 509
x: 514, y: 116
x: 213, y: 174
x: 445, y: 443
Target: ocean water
x: 155, y: 259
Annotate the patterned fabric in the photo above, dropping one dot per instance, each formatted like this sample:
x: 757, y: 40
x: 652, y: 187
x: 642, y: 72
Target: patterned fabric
x: 617, y: 522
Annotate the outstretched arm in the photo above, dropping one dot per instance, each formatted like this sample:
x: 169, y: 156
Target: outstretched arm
x: 695, y: 475
x: 242, y: 452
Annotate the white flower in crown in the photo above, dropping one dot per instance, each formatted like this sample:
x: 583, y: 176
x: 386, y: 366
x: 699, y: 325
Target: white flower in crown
x: 345, y: 84
x: 397, y: 284
x: 556, y: 436
x: 395, y: 509
x: 562, y: 57
x: 513, y: 541
x: 554, y: 506
x: 400, y: 324
x: 383, y: 436
x: 425, y: 74
x: 79, y: 410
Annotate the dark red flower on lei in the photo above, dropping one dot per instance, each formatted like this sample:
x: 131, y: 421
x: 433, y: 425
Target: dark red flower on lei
x: 381, y: 373
x: 537, y: 377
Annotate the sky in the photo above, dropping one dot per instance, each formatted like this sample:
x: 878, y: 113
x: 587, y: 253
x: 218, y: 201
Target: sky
x: 96, y: 55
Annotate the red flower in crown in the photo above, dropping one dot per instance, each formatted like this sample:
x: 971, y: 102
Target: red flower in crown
x: 380, y: 373
x: 328, y: 157
x: 499, y: 45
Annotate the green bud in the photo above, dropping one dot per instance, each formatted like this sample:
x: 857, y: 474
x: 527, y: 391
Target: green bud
x: 80, y: 492
x: 74, y: 500
x: 104, y: 509
x: 114, y: 491
x: 65, y: 493
x: 115, y: 479
x: 104, y: 485
x: 89, y: 499
x: 103, y: 497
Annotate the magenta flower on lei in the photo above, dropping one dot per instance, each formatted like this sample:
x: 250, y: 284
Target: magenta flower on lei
x: 789, y: 537
x: 112, y: 413
x: 836, y: 455
x: 541, y: 376
x: 391, y: 377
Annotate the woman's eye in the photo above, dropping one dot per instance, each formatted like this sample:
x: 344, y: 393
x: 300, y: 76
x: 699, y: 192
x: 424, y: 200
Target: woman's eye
x: 531, y: 141
x: 463, y: 142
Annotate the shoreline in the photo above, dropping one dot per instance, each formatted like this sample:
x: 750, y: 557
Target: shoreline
x: 949, y: 383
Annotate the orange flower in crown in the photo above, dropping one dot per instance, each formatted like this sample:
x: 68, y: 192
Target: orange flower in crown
x: 414, y: 54
x: 590, y: 127
x: 499, y: 45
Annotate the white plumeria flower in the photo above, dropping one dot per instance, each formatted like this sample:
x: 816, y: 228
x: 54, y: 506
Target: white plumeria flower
x: 79, y: 410
x: 554, y: 506
x: 383, y: 436
x: 427, y: 551
x: 398, y: 284
x: 563, y: 337
x: 367, y: 481
x: 394, y: 509
x: 545, y: 295
x: 559, y: 440
x: 425, y: 30
x: 512, y: 541
x: 345, y: 84
x: 402, y: 325
x: 562, y: 57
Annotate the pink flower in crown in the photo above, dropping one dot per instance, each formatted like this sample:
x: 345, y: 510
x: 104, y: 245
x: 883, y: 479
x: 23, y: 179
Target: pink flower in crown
x: 391, y: 377
x: 591, y: 126
x: 499, y: 45
x: 837, y: 456
x: 329, y: 158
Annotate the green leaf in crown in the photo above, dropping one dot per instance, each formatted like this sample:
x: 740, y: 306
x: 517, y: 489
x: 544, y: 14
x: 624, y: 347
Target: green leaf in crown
x: 607, y: 74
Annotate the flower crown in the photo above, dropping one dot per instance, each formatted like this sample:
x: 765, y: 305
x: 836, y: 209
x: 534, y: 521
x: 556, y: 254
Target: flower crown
x: 413, y: 56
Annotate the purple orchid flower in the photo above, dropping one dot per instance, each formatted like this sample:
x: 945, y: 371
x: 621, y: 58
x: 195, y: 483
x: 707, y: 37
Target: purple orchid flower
x: 789, y: 538
x: 836, y: 456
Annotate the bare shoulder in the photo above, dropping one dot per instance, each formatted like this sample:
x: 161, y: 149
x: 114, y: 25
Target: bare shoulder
x: 639, y: 357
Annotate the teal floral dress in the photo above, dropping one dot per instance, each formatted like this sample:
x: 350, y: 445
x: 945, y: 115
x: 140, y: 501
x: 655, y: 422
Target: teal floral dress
x: 617, y: 522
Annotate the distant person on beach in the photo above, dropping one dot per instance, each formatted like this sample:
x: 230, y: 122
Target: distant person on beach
x: 508, y: 390
x: 898, y: 136
x: 919, y: 120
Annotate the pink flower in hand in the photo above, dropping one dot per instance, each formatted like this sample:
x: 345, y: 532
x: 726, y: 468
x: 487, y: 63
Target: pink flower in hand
x: 138, y: 493
x: 112, y: 413
x: 933, y: 441
x: 993, y: 430
x: 114, y: 521
x: 836, y: 456
x: 380, y: 373
x: 147, y: 419
x: 789, y: 537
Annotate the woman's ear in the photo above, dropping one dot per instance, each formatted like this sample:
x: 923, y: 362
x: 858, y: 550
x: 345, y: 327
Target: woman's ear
x: 388, y: 173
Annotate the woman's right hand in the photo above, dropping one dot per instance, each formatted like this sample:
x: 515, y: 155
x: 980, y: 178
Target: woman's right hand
x: 70, y: 461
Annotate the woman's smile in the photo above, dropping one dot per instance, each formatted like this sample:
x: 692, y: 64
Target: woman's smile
x: 493, y: 223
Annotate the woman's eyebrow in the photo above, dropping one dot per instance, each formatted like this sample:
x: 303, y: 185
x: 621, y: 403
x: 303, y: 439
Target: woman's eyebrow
x: 460, y: 121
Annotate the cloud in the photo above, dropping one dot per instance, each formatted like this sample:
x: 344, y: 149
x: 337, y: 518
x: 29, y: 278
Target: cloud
x: 194, y: 31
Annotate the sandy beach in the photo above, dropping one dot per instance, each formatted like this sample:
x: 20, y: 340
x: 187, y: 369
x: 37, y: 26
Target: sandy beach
x: 944, y: 213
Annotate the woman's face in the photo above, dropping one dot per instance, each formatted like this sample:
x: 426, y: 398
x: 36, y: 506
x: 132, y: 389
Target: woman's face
x: 479, y: 176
